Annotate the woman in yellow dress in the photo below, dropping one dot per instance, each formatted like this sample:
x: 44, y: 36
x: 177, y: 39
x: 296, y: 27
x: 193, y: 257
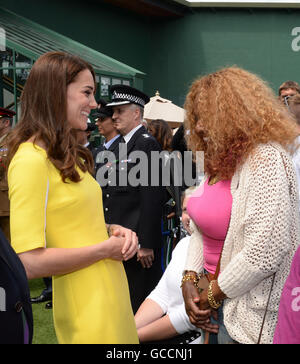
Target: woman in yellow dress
x: 57, y: 221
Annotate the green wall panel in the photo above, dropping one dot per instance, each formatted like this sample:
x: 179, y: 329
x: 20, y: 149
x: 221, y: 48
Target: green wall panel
x: 206, y: 40
x: 174, y: 52
x: 112, y: 31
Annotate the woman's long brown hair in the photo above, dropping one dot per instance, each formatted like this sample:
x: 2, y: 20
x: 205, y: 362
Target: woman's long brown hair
x: 162, y: 132
x: 44, y: 114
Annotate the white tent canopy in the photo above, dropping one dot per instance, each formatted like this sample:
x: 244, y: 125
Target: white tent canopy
x: 159, y: 108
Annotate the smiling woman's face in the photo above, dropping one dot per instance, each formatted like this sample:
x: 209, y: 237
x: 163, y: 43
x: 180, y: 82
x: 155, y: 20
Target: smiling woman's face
x: 80, y: 100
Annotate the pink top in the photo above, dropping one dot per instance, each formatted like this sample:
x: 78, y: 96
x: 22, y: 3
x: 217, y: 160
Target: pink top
x: 210, y: 209
x: 288, y: 324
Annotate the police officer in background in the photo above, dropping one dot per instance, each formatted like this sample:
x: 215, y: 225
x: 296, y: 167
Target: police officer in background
x: 106, y: 128
x: 6, y: 119
x: 136, y: 207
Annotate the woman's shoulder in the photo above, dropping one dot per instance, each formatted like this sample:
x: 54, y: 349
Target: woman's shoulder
x: 271, y: 148
x: 28, y: 149
x: 267, y: 155
x: 268, y: 161
x: 29, y: 155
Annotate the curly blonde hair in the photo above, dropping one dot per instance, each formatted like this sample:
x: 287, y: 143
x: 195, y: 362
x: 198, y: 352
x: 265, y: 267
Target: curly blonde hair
x: 229, y: 113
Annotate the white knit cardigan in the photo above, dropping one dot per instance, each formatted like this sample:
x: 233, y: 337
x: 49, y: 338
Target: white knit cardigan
x: 262, y: 238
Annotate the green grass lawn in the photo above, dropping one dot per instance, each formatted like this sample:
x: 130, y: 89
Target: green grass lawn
x: 43, y: 329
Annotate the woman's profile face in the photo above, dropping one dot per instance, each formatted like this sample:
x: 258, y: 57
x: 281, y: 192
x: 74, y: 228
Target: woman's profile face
x: 80, y: 100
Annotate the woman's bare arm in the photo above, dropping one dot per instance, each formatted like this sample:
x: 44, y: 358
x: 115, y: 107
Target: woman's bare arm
x: 45, y: 262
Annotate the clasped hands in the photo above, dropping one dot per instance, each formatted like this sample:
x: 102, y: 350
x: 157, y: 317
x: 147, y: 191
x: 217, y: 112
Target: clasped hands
x: 198, y: 309
x: 131, y: 243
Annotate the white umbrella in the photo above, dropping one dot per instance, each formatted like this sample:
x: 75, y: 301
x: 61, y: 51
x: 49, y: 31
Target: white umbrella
x: 159, y: 108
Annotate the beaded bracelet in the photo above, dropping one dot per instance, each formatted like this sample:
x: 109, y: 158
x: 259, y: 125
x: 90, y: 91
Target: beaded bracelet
x: 210, y: 297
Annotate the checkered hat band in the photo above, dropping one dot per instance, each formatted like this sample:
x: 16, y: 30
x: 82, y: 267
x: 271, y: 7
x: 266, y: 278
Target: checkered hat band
x: 127, y: 97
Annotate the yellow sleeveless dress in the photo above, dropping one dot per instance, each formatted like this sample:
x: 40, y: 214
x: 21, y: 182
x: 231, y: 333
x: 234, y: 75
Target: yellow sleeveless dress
x: 91, y: 305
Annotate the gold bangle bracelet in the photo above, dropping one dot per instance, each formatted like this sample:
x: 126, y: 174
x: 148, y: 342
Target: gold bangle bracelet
x: 210, y: 297
x: 190, y: 277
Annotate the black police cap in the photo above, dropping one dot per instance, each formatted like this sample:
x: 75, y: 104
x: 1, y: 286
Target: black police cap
x: 123, y: 94
x: 103, y: 110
